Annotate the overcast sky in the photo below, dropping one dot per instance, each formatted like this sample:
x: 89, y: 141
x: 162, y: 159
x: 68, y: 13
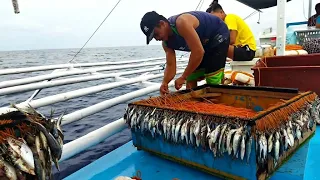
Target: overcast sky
x: 44, y: 24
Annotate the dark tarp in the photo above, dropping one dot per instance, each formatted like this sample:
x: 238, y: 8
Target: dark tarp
x: 260, y: 4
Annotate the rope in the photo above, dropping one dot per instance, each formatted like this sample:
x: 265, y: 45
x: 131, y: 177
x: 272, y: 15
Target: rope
x: 95, y: 30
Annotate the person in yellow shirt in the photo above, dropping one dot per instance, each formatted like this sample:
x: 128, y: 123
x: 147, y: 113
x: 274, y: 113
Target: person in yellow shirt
x: 242, y: 42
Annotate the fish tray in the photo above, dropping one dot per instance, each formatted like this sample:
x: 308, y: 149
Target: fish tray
x: 300, y: 71
x: 234, y: 132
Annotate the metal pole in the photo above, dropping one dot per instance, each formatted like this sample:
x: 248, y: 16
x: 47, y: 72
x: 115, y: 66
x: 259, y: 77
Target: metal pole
x: 281, y: 27
x: 310, y: 9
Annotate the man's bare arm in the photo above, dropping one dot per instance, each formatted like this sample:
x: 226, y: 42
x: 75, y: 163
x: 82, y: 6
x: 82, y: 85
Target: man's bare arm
x: 171, y: 65
x: 186, y: 29
x: 233, y: 36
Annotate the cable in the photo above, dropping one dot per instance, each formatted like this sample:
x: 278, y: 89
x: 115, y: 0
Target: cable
x: 253, y: 13
x: 304, y: 13
x: 95, y: 31
x: 199, y: 4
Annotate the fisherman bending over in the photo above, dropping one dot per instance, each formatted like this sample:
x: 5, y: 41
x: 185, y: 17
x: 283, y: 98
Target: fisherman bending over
x: 312, y: 20
x: 205, y: 35
x: 242, y: 42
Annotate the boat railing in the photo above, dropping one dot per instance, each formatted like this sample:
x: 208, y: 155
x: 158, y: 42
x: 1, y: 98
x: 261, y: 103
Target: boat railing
x: 95, y: 71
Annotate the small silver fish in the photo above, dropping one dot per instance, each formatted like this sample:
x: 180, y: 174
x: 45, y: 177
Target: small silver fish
x: 197, y: 132
x: 287, y: 140
x: 229, y: 143
x: 9, y: 171
x: 290, y: 136
x: 243, y: 146
x: 248, y: 148
x: 276, y: 148
x: 165, y: 124
x: 18, y: 162
x: 270, y: 144
x: 264, y: 146
x: 23, y: 150
x: 173, y: 128
x: 298, y: 131
x: 224, y: 127
x: 216, y: 132
x: 191, y: 135
x: 177, y: 130
x: 184, y: 131
x: 235, y: 143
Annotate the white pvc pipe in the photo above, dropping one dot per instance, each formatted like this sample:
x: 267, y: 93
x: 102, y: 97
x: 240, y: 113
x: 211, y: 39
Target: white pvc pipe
x: 95, y: 137
x: 77, y: 93
x: 40, y: 85
x: 91, y: 139
x: 69, y: 118
x: 10, y: 83
x: 60, y: 66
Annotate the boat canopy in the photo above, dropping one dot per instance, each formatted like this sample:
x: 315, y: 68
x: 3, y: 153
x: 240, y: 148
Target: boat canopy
x: 260, y: 4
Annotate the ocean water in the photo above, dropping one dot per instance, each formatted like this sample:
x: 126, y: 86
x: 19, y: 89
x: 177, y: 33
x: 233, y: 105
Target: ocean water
x: 28, y: 58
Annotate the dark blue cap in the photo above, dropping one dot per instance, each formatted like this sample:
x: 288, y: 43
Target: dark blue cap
x: 149, y: 21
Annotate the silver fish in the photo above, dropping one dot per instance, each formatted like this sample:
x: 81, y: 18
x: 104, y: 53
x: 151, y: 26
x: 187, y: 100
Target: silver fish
x: 235, y: 143
x: 264, y: 146
x: 191, y: 135
x: 287, y: 140
x: 196, y: 133
x: 9, y: 171
x: 248, y: 148
x: 184, y: 131
x: 173, y: 128
x: 229, y: 143
x: 52, y: 142
x: 23, y: 150
x: 216, y: 133
x: 270, y: 144
x: 290, y: 136
x: 276, y: 148
x: 165, y: 124
x: 224, y: 141
x: 211, y: 137
x: 177, y: 130
x: 243, y: 146
x: 221, y: 136
x: 298, y: 132
x: 18, y: 162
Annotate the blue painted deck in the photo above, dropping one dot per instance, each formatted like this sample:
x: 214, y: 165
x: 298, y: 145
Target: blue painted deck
x: 126, y: 160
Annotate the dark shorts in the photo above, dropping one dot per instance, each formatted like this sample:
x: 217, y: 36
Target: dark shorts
x: 243, y: 53
x: 212, y: 65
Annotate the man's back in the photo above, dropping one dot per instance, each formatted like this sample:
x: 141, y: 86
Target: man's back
x: 245, y: 35
x: 209, y: 27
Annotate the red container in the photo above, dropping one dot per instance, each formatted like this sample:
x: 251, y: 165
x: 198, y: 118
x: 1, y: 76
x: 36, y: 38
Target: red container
x: 300, y: 71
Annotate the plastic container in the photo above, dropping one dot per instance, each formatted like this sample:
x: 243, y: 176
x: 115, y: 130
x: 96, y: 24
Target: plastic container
x: 297, y: 71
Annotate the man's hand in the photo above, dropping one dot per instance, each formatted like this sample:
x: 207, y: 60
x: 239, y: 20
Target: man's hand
x: 164, y: 89
x: 179, y: 82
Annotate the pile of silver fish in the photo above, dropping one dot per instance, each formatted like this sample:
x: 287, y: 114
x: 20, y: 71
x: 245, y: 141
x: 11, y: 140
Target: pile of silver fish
x: 233, y: 138
x: 280, y: 140
x: 31, y: 155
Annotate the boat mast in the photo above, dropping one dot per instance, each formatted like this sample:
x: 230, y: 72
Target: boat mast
x: 281, y: 27
x: 310, y: 8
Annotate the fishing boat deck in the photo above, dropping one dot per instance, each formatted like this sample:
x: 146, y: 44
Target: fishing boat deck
x: 126, y: 161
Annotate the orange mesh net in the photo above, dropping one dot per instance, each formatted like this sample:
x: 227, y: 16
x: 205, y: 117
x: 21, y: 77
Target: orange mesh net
x: 268, y: 119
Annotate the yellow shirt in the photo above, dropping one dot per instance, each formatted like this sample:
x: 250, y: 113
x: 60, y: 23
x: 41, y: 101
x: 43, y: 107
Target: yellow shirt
x: 244, y: 36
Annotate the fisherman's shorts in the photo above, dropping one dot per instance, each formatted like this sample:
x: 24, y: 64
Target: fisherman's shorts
x: 212, y: 65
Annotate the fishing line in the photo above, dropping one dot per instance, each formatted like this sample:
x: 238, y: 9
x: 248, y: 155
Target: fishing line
x: 95, y: 31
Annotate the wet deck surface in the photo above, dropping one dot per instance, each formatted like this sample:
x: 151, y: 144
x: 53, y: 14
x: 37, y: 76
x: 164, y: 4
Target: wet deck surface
x: 126, y: 161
